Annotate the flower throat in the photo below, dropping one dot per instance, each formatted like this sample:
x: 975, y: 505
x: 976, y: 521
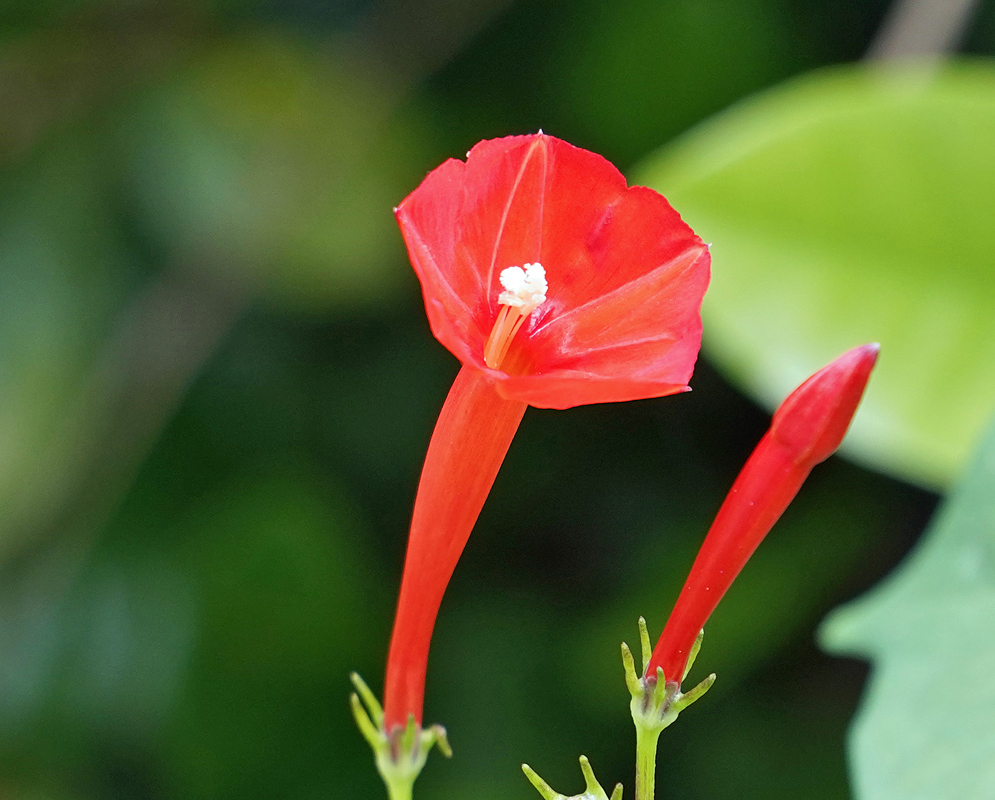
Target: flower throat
x: 524, y: 291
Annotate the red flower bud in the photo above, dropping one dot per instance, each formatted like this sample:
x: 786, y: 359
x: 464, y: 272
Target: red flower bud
x: 806, y: 429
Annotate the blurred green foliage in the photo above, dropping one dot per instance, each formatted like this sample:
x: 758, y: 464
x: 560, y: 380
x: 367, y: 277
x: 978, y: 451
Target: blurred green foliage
x: 932, y: 620
x: 276, y: 164
x: 217, y: 384
x: 855, y: 205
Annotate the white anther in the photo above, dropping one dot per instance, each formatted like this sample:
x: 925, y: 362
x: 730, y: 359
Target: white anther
x: 525, y: 289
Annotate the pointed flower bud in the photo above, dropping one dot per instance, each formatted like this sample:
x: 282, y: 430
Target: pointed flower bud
x: 806, y: 429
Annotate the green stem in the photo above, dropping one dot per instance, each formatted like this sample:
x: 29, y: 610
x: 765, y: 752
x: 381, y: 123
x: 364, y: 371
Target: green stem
x: 646, y: 746
x: 400, y: 789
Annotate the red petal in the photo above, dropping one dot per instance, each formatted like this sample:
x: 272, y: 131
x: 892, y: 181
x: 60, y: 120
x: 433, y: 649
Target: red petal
x: 647, y: 331
x: 618, y: 374
x: 505, y: 197
x: 428, y: 220
x: 599, y: 235
x: 626, y: 275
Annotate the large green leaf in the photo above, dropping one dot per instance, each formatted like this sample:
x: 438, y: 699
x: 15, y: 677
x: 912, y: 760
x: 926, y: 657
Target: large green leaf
x: 925, y: 729
x: 855, y: 205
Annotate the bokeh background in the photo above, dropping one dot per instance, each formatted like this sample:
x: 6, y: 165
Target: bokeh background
x: 217, y: 385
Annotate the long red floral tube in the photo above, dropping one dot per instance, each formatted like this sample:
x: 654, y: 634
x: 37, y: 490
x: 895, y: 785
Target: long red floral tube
x: 807, y: 428
x: 555, y: 285
x: 472, y: 435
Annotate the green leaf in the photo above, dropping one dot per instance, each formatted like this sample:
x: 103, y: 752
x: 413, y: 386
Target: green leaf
x: 924, y: 731
x: 855, y: 205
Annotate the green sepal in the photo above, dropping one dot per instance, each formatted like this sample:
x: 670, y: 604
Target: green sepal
x: 401, y: 754
x: 695, y: 648
x: 656, y: 702
x: 593, y: 790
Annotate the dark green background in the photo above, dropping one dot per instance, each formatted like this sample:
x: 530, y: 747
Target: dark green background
x: 217, y: 384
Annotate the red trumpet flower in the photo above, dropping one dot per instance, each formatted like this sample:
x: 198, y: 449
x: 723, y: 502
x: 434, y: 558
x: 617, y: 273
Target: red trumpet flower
x: 806, y: 429
x: 555, y: 285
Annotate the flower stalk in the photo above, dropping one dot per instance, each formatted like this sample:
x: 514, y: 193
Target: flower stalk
x: 655, y: 705
x: 401, y: 754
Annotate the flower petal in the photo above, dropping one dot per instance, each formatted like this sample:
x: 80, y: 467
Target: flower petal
x: 428, y: 219
x: 626, y: 275
x: 658, y: 306
x: 599, y: 235
x: 617, y: 374
x: 501, y: 215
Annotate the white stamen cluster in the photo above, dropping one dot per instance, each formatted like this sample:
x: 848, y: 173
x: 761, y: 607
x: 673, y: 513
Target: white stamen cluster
x: 525, y: 289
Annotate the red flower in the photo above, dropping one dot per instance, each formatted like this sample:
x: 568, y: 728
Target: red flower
x: 626, y: 276
x: 555, y: 285
x: 806, y: 429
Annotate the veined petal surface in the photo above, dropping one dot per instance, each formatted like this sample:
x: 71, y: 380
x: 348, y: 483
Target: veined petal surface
x: 626, y: 275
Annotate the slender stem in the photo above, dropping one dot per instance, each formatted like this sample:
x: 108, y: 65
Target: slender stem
x: 646, y: 746
x: 400, y: 790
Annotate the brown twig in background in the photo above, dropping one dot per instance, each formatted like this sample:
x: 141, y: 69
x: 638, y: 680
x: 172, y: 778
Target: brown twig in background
x: 921, y: 28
